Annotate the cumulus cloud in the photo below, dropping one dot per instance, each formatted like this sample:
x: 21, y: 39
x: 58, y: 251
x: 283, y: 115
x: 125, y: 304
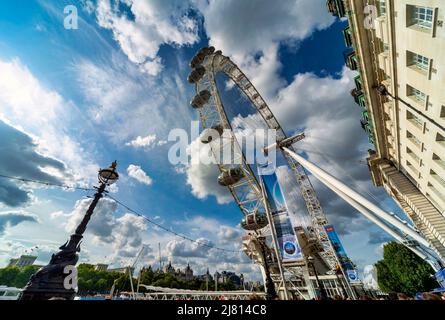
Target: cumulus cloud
x: 142, y: 142
x: 123, y: 233
x: 370, y: 277
x: 13, y: 218
x: 19, y: 158
x: 44, y: 114
x: 202, y: 177
x: 124, y: 99
x: 253, y: 26
x: 137, y: 173
x: 143, y: 26
x: 257, y: 29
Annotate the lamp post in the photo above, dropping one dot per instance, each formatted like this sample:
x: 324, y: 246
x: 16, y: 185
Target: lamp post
x: 271, y: 293
x: 320, y: 285
x: 50, y: 282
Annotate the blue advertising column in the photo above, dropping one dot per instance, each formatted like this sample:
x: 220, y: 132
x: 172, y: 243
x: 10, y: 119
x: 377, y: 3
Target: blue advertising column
x: 290, y: 250
x: 345, y: 262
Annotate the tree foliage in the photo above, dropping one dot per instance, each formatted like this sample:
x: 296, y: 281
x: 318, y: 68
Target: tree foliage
x: 91, y: 281
x: 403, y: 271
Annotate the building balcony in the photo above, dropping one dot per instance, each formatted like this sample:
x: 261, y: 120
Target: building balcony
x: 347, y: 35
x: 351, y: 59
x: 358, y: 82
x: 385, y: 63
x: 336, y: 8
x: 359, y: 97
x: 439, y: 161
x: 415, y: 142
x: 414, y: 157
x: 367, y: 126
x: 439, y: 182
x: 381, y: 28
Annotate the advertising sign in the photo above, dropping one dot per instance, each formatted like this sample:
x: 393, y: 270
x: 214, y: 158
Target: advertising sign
x: 346, y: 264
x: 440, y: 277
x: 289, y: 248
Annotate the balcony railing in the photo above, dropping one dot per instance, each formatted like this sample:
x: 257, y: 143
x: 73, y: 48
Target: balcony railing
x: 414, y: 157
x: 347, y: 34
x: 440, y: 163
x: 415, y: 142
x: 336, y: 8
x: 439, y: 180
x: 358, y: 82
x: 416, y: 122
x: 350, y: 59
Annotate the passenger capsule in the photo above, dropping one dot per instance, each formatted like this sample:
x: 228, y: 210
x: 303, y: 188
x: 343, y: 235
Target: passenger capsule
x: 210, y: 50
x: 201, y: 55
x: 209, y: 134
x: 200, y: 99
x: 196, y: 74
x: 254, y: 221
x: 230, y: 177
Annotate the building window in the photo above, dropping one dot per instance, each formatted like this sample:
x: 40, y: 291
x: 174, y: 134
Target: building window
x: 413, y: 139
x: 442, y: 112
x: 418, y: 61
x: 414, y: 120
x: 416, y: 95
x: 382, y: 8
x: 438, y: 179
x: 412, y: 155
x: 423, y: 17
x: 440, y: 139
x: 439, y: 161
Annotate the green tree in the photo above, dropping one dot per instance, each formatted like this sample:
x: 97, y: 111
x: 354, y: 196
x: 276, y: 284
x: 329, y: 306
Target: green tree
x: 403, y: 271
x: 25, y: 274
x: 8, y: 276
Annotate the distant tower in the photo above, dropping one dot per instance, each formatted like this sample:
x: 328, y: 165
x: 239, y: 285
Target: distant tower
x: 216, y: 280
x: 207, y: 279
x: 188, y: 273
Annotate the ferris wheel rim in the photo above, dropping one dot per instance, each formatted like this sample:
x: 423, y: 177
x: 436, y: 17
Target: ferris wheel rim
x: 223, y: 64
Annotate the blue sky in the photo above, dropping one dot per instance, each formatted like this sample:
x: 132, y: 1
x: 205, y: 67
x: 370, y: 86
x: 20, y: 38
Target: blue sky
x: 113, y: 89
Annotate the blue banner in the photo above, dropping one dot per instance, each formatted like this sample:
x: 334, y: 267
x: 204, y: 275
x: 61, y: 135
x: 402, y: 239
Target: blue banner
x: 345, y: 262
x: 289, y: 248
x: 440, y: 277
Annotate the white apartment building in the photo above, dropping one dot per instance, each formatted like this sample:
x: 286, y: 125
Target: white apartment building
x: 400, y: 44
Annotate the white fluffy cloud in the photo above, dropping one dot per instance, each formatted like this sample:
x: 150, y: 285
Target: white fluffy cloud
x: 26, y: 103
x: 137, y: 173
x: 370, y: 277
x: 143, y: 142
x: 124, y: 234
x: 13, y: 218
x: 130, y: 103
x: 248, y: 27
x: 203, y: 178
x: 152, y: 23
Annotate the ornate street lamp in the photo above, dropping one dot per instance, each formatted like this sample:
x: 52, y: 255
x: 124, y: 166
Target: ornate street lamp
x: 323, y: 295
x: 271, y: 293
x: 50, y: 281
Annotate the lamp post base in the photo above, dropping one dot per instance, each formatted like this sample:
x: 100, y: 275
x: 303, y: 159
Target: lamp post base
x: 49, y: 281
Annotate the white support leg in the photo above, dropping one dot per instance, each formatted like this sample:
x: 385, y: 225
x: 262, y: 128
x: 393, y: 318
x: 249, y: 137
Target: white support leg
x: 356, y: 197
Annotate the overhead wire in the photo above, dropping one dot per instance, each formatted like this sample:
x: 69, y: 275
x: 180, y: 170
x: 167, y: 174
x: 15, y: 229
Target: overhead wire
x: 168, y: 230
x: 46, y: 183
